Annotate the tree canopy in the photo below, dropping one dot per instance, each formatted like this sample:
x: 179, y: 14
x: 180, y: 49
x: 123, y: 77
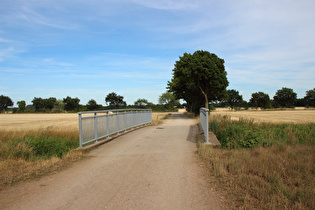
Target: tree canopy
x: 260, y: 99
x: 234, y: 99
x: 5, y: 102
x: 38, y: 103
x: 92, y: 105
x: 115, y: 101
x: 49, y: 103
x: 285, y: 97
x: 199, y: 78
x: 71, y: 104
x: 142, y: 103
x: 22, y: 105
x: 168, y: 100
x: 310, y: 98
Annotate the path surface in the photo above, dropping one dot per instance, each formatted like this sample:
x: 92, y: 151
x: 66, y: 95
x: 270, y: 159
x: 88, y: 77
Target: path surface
x: 151, y: 168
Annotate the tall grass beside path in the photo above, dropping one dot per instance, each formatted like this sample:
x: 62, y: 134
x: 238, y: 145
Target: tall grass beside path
x: 277, y: 177
x: 26, y: 154
x: 263, y: 165
x: 245, y: 133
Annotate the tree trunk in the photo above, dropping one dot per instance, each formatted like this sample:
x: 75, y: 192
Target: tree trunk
x: 207, y: 102
x: 206, y: 98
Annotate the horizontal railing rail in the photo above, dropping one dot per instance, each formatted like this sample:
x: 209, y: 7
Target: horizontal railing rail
x: 96, y: 125
x: 204, y: 121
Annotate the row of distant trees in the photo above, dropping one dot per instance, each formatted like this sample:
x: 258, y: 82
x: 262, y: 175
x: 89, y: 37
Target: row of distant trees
x: 167, y: 102
x: 284, y: 98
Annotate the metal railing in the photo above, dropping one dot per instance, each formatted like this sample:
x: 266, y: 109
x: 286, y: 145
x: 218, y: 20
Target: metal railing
x: 204, y: 121
x: 95, y: 125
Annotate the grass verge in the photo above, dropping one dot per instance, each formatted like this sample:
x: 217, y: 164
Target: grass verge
x: 30, y: 154
x: 275, y: 170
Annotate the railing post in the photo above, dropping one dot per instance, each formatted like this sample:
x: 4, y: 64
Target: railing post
x: 207, y: 126
x: 204, y: 122
x: 95, y: 127
x: 125, y: 123
x: 80, y: 131
x: 117, y: 122
x: 107, y: 123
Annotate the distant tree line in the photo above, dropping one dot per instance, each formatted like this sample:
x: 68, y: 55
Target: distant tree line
x: 167, y: 102
x: 283, y: 98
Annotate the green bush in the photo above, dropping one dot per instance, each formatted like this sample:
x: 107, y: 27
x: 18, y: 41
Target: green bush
x: 16, y: 149
x: 47, y: 147
x: 246, y: 134
x: 214, y: 126
x: 236, y: 136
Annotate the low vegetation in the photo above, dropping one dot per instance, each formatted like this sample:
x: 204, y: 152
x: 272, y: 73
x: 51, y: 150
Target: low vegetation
x: 158, y: 117
x: 263, y: 165
x: 26, y: 154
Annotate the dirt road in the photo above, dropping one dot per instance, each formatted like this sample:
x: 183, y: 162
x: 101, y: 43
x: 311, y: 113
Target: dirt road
x: 151, y: 168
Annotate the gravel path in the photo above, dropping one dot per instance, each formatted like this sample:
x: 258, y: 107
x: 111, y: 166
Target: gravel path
x: 151, y: 168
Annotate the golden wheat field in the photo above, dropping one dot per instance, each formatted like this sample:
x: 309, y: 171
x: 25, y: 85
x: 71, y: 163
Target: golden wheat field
x: 38, y: 121
x: 273, y: 116
x: 31, y: 122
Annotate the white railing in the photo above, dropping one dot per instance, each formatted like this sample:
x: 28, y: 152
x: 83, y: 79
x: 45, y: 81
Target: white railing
x: 204, y: 122
x: 95, y: 125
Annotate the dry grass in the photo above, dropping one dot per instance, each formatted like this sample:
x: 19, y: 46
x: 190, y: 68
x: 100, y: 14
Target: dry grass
x: 274, y: 116
x: 20, y: 126
x: 158, y: 117
x: 15, y: 170
x: 280, y: 177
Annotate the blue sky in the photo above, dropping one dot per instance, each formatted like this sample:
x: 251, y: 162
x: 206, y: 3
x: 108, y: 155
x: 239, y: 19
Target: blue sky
x: 87, y: 49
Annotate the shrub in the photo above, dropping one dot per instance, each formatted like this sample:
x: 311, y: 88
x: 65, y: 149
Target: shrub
x: 246, y: 134
x: 238, y: 135
x: 47, y: 147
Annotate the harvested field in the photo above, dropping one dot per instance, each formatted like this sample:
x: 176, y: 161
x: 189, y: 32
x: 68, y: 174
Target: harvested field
x: 274, y: 116
x: 31, y: 122
x: 38, y: 121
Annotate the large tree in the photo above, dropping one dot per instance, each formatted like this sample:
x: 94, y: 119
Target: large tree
x: 285, y: 97
x: 38, y: 103
x: 260, y: 99
x: 310, y: 98
x: 22, y: 105
x: 142, y: 103
x: 234, y: 98
x: 199, y: 77
x: 168, y: 100
x: 92, y: 105
x: 5, y: 102
x: 115, y: 101
x: 71, y: 104
x: 49, y: 103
